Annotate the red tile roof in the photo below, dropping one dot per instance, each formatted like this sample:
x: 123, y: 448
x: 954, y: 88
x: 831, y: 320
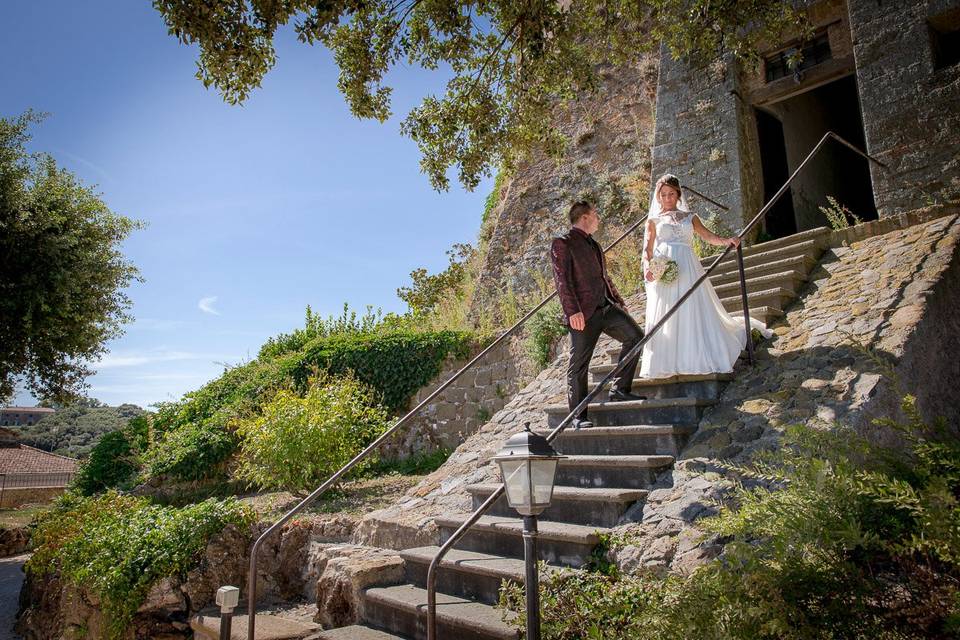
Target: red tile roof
x: 24, y: 459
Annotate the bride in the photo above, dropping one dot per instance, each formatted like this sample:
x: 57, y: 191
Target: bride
x: 701, y: 337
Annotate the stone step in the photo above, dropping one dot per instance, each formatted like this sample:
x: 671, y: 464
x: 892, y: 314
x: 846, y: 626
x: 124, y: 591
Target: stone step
x: 651, y: 440
x: 628, y: 471
x: 683, y: 410
x: 354, y: 632
x: 577, y: 505
x: 812, y: 249
x: 632, y: 439
x: 797, y: 243
x: 402, y: 609
x: 801, y: 264
x: 468, y: 573
x: 559, y: 543
x: 206, y: 626
x: 765, y: 314
x: 789, y: 280
x: 776, y: 297
x: 707, y: 385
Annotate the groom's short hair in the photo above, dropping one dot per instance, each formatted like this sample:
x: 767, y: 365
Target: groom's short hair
x: 579, y: 209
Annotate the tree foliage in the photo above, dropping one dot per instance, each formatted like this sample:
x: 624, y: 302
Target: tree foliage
x: 62, y: 274
x: 511, y: 64
x: 75, y: 428
x: 426, y: 290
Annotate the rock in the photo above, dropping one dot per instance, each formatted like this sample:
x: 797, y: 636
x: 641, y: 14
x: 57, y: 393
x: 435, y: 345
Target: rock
x: 347, y: 571
x: 14, y: 541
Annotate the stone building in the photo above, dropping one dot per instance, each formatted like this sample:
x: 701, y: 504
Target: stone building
x: 883, y: 75
x: 23, y: 416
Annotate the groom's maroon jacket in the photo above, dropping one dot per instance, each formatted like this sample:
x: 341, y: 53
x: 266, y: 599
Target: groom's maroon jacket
x: 580, y: 273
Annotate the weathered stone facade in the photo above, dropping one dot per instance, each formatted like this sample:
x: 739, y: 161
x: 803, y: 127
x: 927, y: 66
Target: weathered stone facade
x: 910, y: 105
x: 737, y: 132
x: 607, y: 162
x: 698, y: 134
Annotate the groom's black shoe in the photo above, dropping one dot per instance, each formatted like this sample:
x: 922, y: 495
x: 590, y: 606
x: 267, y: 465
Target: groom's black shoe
x: 616, y: 395
x: 578, y: 424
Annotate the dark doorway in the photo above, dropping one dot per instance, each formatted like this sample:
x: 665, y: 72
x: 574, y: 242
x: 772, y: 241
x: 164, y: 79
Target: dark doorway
x: 835, y: 171
x: 780, y: 220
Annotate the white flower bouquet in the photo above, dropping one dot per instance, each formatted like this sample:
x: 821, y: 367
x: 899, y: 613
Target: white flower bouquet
x: 663, y: 269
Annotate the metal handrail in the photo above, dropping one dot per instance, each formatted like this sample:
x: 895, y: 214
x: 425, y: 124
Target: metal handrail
x: 303, y: 504
x: 435, y: 563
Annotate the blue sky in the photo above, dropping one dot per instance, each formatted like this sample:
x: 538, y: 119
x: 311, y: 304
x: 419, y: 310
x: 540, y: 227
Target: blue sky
x: 252, y: 212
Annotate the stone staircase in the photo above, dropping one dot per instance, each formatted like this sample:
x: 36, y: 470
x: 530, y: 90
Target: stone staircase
x: 609, y: 470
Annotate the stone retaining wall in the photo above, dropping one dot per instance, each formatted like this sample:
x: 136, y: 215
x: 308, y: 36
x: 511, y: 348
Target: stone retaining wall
x: 468, y: 403
x: 13, y: 498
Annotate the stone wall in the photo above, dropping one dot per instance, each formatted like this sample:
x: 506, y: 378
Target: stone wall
x: 608, y: 162
x: 16, y: 497
x: 698, y: 135
x: 910, y: 113
x: 468, y: 403
x: 706, y: 128
x: 890, y: 286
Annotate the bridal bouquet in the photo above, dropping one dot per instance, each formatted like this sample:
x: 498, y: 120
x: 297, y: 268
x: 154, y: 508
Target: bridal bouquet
x: 663, y: 269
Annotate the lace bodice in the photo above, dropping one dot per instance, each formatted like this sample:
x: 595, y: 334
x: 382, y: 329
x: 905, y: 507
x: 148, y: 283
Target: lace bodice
x: 675, y: 226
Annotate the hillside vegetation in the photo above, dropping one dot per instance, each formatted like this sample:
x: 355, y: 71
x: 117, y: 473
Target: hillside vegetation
x: 76, y: 428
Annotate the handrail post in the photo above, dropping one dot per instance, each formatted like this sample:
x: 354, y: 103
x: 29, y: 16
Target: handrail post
x: 746, y: 304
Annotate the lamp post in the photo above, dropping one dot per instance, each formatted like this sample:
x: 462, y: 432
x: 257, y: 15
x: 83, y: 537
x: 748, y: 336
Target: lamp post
x: 528, y: 464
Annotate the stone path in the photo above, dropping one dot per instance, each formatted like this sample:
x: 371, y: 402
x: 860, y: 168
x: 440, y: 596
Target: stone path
x: 11, y: 579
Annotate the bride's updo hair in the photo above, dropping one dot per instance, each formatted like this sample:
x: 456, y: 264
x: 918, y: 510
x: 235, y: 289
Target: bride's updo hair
x: 670, y: 180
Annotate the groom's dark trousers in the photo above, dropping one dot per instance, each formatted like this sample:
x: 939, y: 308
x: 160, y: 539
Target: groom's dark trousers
x: 580, y: 274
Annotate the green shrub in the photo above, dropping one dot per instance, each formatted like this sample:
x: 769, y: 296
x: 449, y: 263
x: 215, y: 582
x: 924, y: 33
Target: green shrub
x: 119, y: 546
x: 237, y: 392
x: 838, y: 216
x: 191, y: 452
x: 543, y: 330
x: 395, y: 365
x: 116, y: 458
x: 833, y: 537
x: 298, y: 442
x: 315, y: 326
x: 494, y: 198
x: 112, y: 462
x: 416, y: 465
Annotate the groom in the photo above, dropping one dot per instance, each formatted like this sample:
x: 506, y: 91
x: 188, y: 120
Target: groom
x: 591, y: 306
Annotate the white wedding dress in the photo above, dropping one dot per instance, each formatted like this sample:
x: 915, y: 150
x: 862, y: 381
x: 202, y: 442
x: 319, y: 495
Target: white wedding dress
x: 701, y: 337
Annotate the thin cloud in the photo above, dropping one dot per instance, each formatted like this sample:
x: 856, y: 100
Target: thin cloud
x: 81, y: 160
x: 206, y: 305
x: 139, y: 358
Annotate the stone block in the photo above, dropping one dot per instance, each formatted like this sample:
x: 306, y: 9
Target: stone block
x: 347, y: 571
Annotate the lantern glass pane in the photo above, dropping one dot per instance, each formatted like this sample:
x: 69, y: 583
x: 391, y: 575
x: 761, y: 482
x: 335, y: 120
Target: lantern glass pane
x: 516, y: 477
x: 542, y: 473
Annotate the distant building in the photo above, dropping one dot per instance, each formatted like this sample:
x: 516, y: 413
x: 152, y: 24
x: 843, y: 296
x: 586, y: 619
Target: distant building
x: 23, y: 416
x: 29, y: 475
